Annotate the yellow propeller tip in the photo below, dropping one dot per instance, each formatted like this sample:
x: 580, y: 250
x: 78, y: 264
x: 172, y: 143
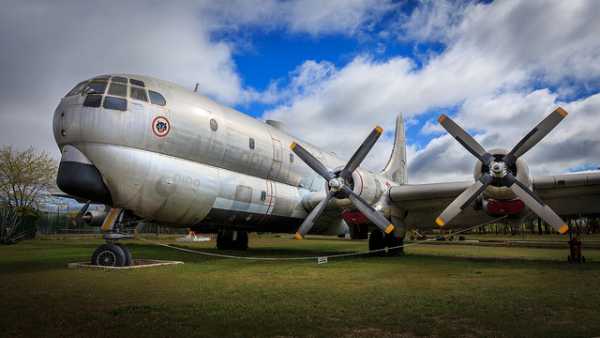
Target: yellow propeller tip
x: 440, y: 222
x: 562, y: 112
x: 442, y: 118
x: 379, y: 130
x: 298, y: 236
x: 389, y: 228
x: 293, y: 145
x: 563, y: 229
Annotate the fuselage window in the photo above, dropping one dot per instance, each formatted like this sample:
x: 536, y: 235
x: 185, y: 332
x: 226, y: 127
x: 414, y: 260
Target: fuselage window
x: 96, y: 87
x: 291, y: 158
x: 77, y: 89
x: 137, y: 82
x: 157, y: 98
x: 119, y: 79
x: 251, y: 143
x: 115, y: 103
x: 92, y: 101
x: 263, y: 195
x: 214, y: 125
x: 138, y: 93
x: 117, y: 89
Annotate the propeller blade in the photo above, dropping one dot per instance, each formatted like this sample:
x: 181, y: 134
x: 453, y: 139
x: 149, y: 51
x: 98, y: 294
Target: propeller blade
x: 81, y: 212
x: 465, y: 139
x: 361, y: 152
x: 463, y: 200
x: 537, y: 133
x: 308, y: 222
x: 311, y: 161
x: 533, y: 202
x: 373, y: 215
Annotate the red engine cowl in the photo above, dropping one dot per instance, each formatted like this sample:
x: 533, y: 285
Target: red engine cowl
x: 354, y: 217
x: 503, y: 207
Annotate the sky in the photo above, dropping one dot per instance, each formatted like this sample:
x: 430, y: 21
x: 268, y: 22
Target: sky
x: 330, y: 70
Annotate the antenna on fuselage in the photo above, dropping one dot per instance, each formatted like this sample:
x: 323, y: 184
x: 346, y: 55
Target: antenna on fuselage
x: 196, y: 88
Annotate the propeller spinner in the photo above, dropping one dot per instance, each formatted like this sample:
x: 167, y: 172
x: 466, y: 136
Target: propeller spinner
x: 499, y: 170
x: 337, y: 185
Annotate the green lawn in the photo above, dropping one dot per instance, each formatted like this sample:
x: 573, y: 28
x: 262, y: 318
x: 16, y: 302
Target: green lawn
x: 431, y: 291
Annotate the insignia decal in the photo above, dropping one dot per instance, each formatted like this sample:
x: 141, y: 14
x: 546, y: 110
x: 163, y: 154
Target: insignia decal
x: 161, y: 126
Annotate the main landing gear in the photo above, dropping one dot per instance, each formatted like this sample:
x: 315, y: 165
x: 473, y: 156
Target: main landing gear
x: 378, y: 241
x: 232, y: 240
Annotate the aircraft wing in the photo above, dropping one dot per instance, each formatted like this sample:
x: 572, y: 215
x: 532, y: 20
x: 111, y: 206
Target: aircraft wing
x: 568, y: 195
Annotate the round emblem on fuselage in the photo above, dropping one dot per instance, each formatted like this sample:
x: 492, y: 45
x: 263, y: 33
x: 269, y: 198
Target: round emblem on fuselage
x: 161, y: 126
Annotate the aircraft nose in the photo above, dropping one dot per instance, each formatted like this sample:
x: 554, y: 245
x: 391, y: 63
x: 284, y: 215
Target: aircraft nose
x: 77, y: 176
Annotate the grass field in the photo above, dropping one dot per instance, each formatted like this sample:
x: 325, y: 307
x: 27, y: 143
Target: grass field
x: 436, y: 290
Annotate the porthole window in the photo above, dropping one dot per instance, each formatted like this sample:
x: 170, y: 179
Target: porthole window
x: 291, y: 158
x: 251, y: 143
x: 214, y: 125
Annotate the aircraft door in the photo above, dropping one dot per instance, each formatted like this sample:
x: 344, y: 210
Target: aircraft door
x: 277, y: 159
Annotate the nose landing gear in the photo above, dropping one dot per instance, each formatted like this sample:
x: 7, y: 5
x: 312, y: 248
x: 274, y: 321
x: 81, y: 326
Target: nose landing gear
x: 112, y: 253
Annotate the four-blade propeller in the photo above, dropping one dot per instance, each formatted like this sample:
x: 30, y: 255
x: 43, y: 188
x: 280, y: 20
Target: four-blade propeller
x: 338, y: 185
x: 500, y: 171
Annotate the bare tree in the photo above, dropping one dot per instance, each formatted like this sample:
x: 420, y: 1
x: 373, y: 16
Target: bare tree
x: 25, y: 177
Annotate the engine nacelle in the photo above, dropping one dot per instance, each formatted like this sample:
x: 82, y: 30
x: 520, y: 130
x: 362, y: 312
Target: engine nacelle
x: 367, y: 186
x: 495, y: 191
x: 94, y: 218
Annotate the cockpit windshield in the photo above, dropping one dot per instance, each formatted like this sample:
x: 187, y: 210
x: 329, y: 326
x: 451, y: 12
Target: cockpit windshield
x: 112, y: 92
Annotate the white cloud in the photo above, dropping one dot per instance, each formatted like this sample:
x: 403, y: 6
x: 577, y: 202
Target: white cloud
x: 495, y: 54
x: 47, y: 47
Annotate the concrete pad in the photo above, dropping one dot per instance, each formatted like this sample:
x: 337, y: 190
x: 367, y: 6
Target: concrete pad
x: 137, y: 264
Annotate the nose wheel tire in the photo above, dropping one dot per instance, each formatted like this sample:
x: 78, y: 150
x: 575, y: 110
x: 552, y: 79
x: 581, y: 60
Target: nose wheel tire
x: 377, y: 242
x: 109, y: 255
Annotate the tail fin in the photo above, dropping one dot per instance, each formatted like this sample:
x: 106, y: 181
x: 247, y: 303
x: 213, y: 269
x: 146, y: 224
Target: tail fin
x: 395, y: 169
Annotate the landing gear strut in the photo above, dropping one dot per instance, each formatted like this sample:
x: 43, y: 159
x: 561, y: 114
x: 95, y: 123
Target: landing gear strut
x: 232, y: 240
x: 378, y: 240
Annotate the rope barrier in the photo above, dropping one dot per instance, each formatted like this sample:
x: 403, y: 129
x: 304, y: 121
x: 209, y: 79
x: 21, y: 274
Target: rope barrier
x: 319, y: 259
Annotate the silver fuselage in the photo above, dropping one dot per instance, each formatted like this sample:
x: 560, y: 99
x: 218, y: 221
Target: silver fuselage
x: 214, y: 166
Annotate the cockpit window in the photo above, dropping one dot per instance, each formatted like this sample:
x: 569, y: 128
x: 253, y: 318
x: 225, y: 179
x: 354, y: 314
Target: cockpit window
x: 119, y: 79
x: 77, y: 89
x: 117, y: 89
x: 115, y: 103
x: 137, y: 82
x: 92, y: 101
x: 96, y: 87
x: 138, y: 93
x: 157, y: 98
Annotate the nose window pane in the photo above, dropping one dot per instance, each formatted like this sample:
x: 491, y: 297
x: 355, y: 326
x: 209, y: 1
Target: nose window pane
x: 117, y: 89
x: 138, y: 93
x: 77, y: 89
x: 96, y: 87
x: 136, y: 82
x: 115, y: 103
x: 157, y: 98
x: 92, y: 101
x: 119, y: 79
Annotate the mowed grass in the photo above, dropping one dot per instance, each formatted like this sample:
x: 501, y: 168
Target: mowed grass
x: 439, y: 290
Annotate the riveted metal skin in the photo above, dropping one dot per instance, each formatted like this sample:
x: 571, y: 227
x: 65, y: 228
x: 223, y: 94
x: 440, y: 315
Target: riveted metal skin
x: 185, y: 173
